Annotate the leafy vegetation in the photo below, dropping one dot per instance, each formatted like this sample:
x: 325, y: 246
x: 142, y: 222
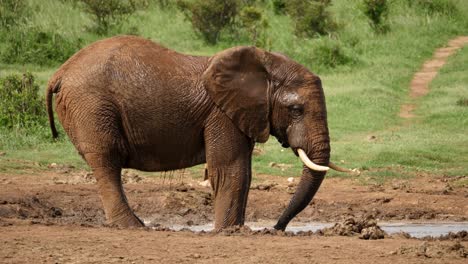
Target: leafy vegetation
x: 311, y: 17
x: 39, y: 47
x: 365, y: 75
x: 13, y: 12
x: 444, y: 7
x: 20, y: 103
x: 210, y: 17
x: 377, y: 12
x: 108, y: 14
x: 253, y: 20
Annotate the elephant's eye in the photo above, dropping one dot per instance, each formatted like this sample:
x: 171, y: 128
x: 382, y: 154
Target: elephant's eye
x: 296, y: 110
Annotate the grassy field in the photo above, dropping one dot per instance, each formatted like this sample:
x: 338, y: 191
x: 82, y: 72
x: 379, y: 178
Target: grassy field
x: 363, y: 95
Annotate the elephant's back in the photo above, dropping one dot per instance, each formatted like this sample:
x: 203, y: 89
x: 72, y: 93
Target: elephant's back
x: 127, y: 60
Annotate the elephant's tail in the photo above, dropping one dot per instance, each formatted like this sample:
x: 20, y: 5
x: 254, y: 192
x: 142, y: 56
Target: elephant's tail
x: 51, y: 89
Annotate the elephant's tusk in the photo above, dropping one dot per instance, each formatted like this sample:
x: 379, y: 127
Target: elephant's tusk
x: 338, y: 168
x: 309, y: 163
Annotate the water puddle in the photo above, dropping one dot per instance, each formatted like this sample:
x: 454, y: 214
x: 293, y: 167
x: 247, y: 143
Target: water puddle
x: 417, y: 230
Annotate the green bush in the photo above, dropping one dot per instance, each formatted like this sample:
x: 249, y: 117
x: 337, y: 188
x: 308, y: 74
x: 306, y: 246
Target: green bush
x: 209, y: 17
x: 13, y: 12
x: 279, y: 7
x: 311, y: 17
x: 443, y: 7
x: 254, y: 22
x: 328, y: 53
x: 37, y: 47
x: 163, y: 3
x: 108, y: 14
x: 20, y: 105
x: 377, y: 12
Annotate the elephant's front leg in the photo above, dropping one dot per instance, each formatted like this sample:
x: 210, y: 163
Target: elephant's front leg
x: 228, y: 155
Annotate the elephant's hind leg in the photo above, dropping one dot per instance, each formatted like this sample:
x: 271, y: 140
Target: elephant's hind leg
x: 106, y: 166
x: 96, y: 132
x: 113, y: 198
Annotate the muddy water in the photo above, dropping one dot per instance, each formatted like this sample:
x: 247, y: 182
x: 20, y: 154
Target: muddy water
x: 417, y: 230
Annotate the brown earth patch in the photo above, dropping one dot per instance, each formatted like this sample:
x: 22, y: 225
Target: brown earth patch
x: 56, y: 216
x: 71, y: 198
x: 420, y: 83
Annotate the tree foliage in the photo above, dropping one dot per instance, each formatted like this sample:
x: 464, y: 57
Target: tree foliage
x: 254, y: 22
x: 210, y: 17
x: 20, y: 103
x: 377, y: 13
x: 311, y: 17
x: 108, y: 14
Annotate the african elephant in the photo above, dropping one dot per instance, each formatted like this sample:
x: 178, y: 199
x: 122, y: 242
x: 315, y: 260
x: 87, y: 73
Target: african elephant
x: 127, y: 102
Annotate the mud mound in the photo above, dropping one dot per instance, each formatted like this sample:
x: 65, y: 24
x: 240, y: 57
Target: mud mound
x: 28, y: 207
x: 458, y: 236
x: 366, y: 228
x: 434, y: 250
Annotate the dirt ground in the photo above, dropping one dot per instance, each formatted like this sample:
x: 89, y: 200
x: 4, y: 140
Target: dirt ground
x: 56, y: 217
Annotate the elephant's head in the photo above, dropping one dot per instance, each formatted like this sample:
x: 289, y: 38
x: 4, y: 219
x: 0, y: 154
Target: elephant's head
x: 266, y: 93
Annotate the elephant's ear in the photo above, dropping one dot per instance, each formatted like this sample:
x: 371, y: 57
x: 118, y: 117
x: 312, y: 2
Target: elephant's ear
x: 238, y: 83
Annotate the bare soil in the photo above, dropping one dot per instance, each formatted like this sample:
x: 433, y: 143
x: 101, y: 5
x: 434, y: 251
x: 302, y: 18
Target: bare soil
x: 55, y: 216
x: 420, y: 84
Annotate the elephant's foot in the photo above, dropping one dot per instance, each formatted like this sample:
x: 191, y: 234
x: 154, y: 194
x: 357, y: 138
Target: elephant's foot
x: 127, y: 220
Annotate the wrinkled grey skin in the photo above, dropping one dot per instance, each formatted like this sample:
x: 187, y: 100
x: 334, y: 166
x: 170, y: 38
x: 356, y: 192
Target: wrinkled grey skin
x: 126, y: 102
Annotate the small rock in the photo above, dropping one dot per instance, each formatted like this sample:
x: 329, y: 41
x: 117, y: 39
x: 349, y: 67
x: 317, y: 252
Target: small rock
x: 371, y: 138
x: 181, y: 188
x: 2, y: 153
x: 281, y: 166
x: 373, y: 232
x: 291, y: 179
x: 205, y: 183
x: 263, y: 187
x: 257, y: 151
x: 52, y: 165
x: 185, y: 211
x: 55, y: 212
x: 131, y: 177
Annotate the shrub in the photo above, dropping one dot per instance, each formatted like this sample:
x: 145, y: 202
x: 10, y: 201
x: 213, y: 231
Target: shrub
x: 329, y: 54
x: 209, y: 17
x: 444, y: 7
x: 163, y: 4
x: 109, y: 14
x: 13, y: 12
x: 254, y: 22
x: 20, y: 105
x: 377, y: 12
x: 311, y: 17
x: 462, y: 102
x: 279, y: 7
x: 38, y: 47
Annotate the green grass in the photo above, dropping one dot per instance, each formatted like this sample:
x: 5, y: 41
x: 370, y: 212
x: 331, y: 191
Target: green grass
x: 363, y: 97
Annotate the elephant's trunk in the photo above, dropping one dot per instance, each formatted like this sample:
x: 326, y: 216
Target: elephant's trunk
x: 308, y: 186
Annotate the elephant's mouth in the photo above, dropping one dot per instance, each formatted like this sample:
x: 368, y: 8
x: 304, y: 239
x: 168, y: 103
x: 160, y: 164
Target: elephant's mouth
x: 283, y: 141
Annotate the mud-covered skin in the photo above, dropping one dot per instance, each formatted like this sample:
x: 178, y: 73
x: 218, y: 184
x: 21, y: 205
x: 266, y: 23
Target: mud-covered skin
x: 126, y: 102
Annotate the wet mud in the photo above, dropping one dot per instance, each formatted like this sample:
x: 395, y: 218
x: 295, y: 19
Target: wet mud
x: 59, y: 210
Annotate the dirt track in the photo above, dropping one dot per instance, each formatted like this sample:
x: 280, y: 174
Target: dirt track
x: 420, y: 84
x: 56, y: 217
